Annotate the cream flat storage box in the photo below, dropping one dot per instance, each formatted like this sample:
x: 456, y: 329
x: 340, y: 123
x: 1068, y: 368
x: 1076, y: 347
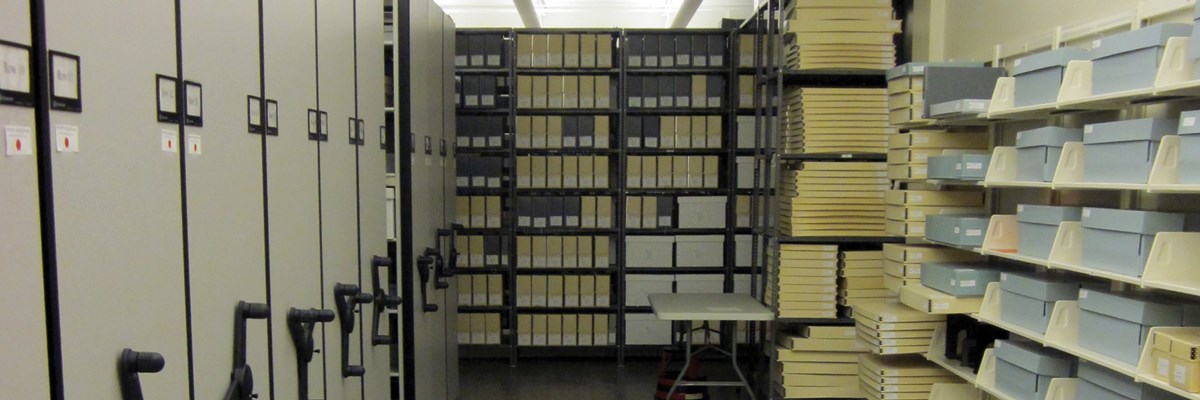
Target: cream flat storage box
x: 958, y: 279
x: 1028, y: 299
x: 1038, y: 151
x: 1039, y: 76
x: 702, y: 212
x: 638, y: 287
x: 745, y: 172
x: 646, y: 329
x: 699, y: 251
x: 1023, y: 371
x: 699, y: 283
x: 1119, y: 240
x: 971, y: 167
x: 1037, y: 227
x: 1123, y: 151
x: 957, y: 230
x: 649, y: 251
x: 1189, y: 143
x: 1099, y: 383
x: 1117, y: 325
x: 1129, y: 61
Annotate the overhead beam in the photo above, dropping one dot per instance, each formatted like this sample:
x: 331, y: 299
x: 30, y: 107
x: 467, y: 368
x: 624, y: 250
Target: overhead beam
x: 528, y: 13
x: 683, y: 17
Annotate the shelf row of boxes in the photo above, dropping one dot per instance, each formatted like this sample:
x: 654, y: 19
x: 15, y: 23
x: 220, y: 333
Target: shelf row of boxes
x: 481, y: 290
x: 835, y: 120
x: 565, y: 50
x: 674, y: 132
x: 833, y: 199
x: 563, y: 252
x: 563, y: 291
x: 914, y: 87
x: 695, y: 91
x: 673, y: 172
x: 638, y: 287
x: 566, y: 172
x: 480, y: 131
x: 675, y: 50
x: 479, y: 328
x: 832, y: 36
x: 479, y: 172
x: 818, y: 362
x: 482, y: 91
x: 478, y: 211
x: 683, y: 251
x: 860, y: 278
x: 559, y: 132
x: 586, y: 212
x: 565, y: 91
x: 909, y: 153
x: 482, y: 251
x: 480, y: 50
x: 646, y: 329
x: 902, y: 262
x: 565, y: 330
x: 908, y: 211
x: 652, y: 212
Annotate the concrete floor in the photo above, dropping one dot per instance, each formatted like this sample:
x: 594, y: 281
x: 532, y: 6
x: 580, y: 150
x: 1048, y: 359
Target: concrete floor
x: 558, y: 379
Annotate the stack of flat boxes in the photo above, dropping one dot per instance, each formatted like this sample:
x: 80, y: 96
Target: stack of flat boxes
x: 902, y: 377
x: 861, y: 278
x: 565, y: 330
x: 892, y: 328
x: 914, y: 87
x: 819, y: 362
x: 833, y: 199
x: 902, y: 262
x: 835, y: 120
x: 908, y: 209
x: 807, y: 281
x: 909, y: 153
x: 840, y: 34
x: 479, y: 328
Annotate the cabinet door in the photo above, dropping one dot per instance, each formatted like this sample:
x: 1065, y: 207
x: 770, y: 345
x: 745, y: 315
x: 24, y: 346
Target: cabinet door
x: 117, y: 201
x: 21, y: 296
x: 449, y: 190
x: 289, y: 54
x: 371, y: 181
x: 339, y: 194
x: 225, y: 190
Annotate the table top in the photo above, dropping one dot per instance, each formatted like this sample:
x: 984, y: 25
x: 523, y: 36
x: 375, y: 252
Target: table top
x: 708, y: 307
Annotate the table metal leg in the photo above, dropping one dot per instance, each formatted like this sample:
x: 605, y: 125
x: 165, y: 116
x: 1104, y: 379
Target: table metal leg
x: 687, y: 358
x: 734, y: 360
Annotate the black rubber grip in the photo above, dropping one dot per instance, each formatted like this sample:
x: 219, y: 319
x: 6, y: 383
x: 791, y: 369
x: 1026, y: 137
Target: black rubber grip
x: 255, y: 310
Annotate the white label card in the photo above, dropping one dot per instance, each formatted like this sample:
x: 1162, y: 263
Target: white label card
x: 166, y: 94
x: 14, y: 76
x: 193, y: 144
x: 18, y: 140
x: 66, y: 76
x: 195, y: 106
x: 168, y: 141
x: 67, y: 138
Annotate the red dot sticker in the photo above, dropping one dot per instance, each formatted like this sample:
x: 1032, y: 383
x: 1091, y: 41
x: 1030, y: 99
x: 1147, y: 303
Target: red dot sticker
x: 66, y: 142
x: 168, y: 144
x: 18, y: 144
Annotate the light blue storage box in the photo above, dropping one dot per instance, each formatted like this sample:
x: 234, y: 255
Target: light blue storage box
x: 957, y: 230
x: 1119, y: 240
x: 1129, y: 60
x: 959, y: 279
x: 1028, y: 299
x: 1038, y: 151
x: 918, y: 68
x: 1099, y: 383
x: 1189, y: 145
x: 1038, y: 225
x: 1024, y: 370
x: 959, y: 166
x: 1123, y: 151
x: 1039, y: 76
x: 1117, y: 325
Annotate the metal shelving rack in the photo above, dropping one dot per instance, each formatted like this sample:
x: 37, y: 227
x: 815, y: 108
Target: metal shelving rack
x: 618, y: 148
x: 766, y: 27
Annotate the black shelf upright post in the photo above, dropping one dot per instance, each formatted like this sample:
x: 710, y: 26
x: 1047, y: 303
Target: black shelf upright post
x: 621, y: 43
x: 729, y: 138
x: 511, y: 142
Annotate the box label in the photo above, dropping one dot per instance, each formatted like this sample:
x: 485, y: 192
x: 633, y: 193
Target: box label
x: 1164, y: 367
x: 1180, y: 375
x: 974, y: 232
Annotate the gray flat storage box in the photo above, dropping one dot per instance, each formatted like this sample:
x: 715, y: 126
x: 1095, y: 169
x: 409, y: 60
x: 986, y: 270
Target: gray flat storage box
x: 1117, y: 325
x: 700, y: 251
x: 1023, y: 371
x: 702, y: 212
x: 1189, y: 143
x: 1123, y: 151
x: 1038, y: 225
x: 1038, y: 151
x: 1129, y: 61
x: 958, y: 279
x: 959, y: 166
x: 1038, y: 77
x: 945, y: 84
x: 966, y: 108
x: 1099, y: 383
x: 957, y: 230
x: 1028, y: 299
x: 918, y: 68
x: 649, y: 251
x: 1119, y: 240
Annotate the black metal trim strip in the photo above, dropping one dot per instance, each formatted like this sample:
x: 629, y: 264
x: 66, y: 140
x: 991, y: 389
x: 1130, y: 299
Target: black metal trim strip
x: 40, y: 59
x: 362, y: 380
x: 262, y: 91
x: 180, y: 122
x: 401, y: 24
x: 324, y: 134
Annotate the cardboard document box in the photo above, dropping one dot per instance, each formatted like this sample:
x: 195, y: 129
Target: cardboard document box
x: 570, y: 330
x: 540, y: 326
x: 554, y: 290
x: 585, y: 252
x: 571, y: 291
x: 554, y: 330
x: 587, y: 291
x: 587, y: 51
x: 554, y: 252
x: 541, y: 91
x: 587, y: 91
